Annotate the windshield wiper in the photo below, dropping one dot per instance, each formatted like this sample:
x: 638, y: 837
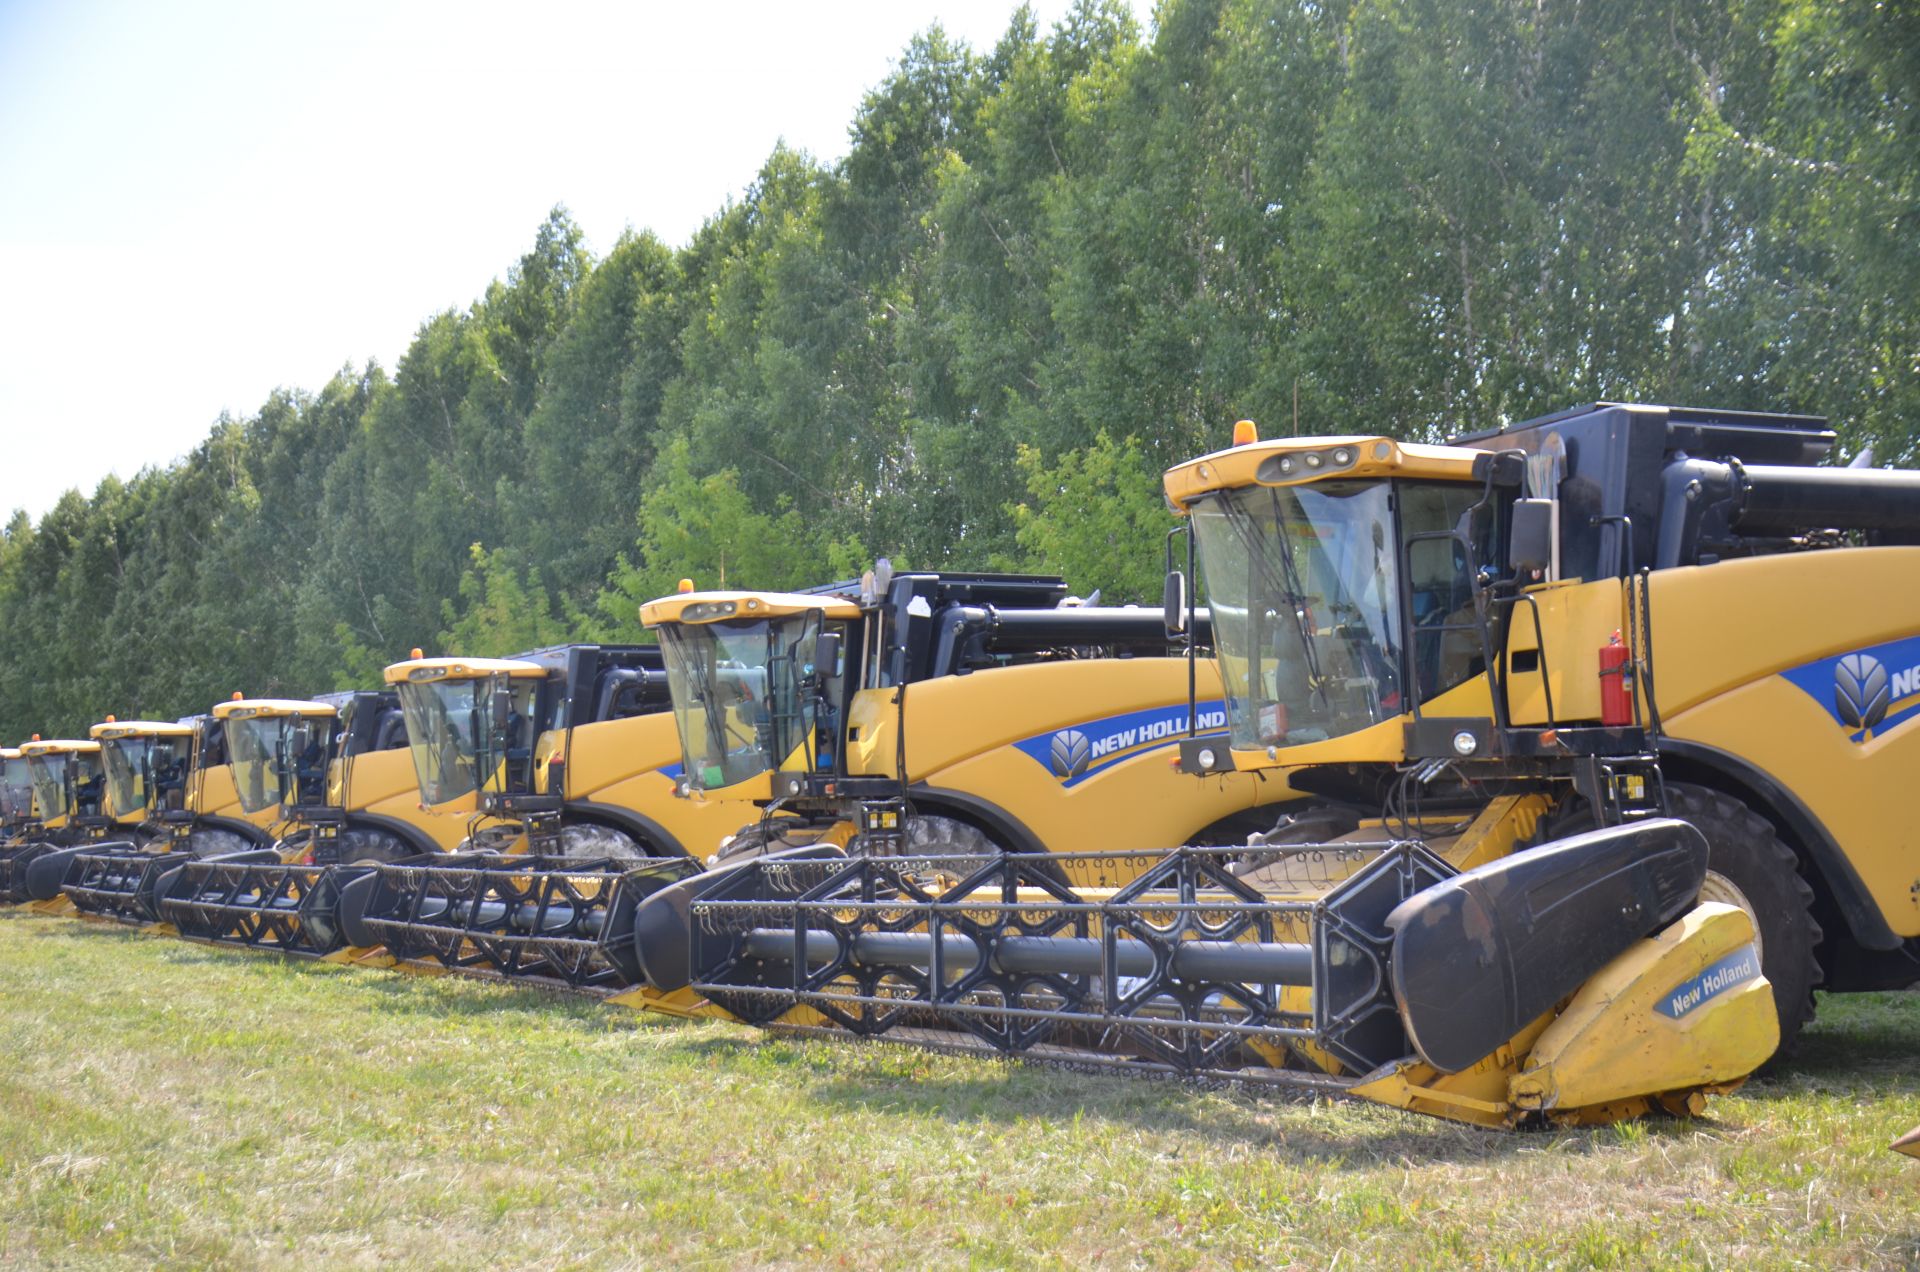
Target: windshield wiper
x: 705, y: 669
x: 1291, y: 589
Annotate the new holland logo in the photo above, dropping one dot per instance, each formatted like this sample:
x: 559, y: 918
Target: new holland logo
x: 1070, y: 754
x: 1868, y: 692
x: 1086, y: 749
x: 1731, y: 972
x: 1860, y: 691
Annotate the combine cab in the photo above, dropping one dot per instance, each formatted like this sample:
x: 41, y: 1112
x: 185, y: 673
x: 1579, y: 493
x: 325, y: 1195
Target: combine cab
x: 1594, y: 717
x: 165, y: 785
x: 337, y: 773
x: 67, y: 786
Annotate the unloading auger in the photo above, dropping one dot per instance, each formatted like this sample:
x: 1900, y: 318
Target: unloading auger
x: 1560, y: 861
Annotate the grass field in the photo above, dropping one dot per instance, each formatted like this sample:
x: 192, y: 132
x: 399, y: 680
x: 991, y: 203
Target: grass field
x: 168, y: 1104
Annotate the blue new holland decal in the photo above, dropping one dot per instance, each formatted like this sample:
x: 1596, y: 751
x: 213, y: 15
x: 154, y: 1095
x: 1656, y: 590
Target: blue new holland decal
x: 1688, y: 996
x: 1073, y: 755
x: 1867, y: 691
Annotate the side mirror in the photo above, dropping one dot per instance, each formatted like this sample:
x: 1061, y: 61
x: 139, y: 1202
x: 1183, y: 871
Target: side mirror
x: 1530, y: 544
x: 826, y: 656
x: 299, y: 738
x: 502, y: 703
x: 1173, y: 600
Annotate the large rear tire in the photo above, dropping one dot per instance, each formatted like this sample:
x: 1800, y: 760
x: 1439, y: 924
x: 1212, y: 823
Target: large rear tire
x: 214, y: 842
x: 588, y: 841
x: 361, y: 846
x: 1749, y: 866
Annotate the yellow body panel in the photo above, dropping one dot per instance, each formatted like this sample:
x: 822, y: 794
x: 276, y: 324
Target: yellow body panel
x: 1724, y: 633
x: 1575, y: 621
x: 1716, y: 627
x: 213, y: 793
x: 1684, y: 1007
x: 634, y: 763
x: 1119, y: 718
x: 383, y: 784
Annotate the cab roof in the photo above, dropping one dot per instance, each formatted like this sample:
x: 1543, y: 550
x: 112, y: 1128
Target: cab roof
x: 54, y: 746
x: 1290, y: 461
x: 139, y: 729
x: 712, y: 607
x: 250, y: 708
x: 463, y: 669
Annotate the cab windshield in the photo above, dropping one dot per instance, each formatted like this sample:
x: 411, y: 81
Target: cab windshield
x: 126, y: 763
x: 255, y: 745
x: 49, y: 779
x: 1305, y: 587
x: 16, y: 788
x: 449, y: 733
x: 737, y: 697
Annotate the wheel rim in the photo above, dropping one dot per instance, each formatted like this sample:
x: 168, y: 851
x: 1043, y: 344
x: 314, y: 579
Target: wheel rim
x: 1722, y: 889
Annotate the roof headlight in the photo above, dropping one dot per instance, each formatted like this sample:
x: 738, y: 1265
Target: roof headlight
x: 1286, y: 463
x: 1342, y: 456
x: 1312, y: 459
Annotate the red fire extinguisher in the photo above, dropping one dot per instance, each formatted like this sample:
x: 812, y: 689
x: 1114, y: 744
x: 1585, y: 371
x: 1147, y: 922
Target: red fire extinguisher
x: 1616, y: 697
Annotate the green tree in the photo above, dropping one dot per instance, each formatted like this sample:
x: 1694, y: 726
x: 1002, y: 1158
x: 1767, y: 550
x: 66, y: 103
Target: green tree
x: 1097, y: 518
x: 498, y: 611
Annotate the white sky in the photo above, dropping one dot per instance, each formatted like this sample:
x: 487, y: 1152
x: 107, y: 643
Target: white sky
x: 200, y: 202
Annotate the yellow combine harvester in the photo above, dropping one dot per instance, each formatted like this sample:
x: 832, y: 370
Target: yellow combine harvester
x: 994, y: 700
x: 337, y: 774
x: 67, y: 786
x: 557, y: 768
x: 1599, y: 718
x: 171, y: 793
x: 942, y: 713
x: 957, y: 716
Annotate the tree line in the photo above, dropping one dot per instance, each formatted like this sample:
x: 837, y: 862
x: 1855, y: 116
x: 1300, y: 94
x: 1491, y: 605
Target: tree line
x: 1042, y: 272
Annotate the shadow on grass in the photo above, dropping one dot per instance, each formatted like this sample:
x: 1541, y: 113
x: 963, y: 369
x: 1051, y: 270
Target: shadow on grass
x: 1866, y: 1044
x: 401, y: 991
x: 1867, y: 1047
x: 1326, y: 1132
x: 1314, y: 1127
x: 1863, y: 1044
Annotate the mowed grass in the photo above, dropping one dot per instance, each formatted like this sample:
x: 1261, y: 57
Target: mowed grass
x: 168, y: 1104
